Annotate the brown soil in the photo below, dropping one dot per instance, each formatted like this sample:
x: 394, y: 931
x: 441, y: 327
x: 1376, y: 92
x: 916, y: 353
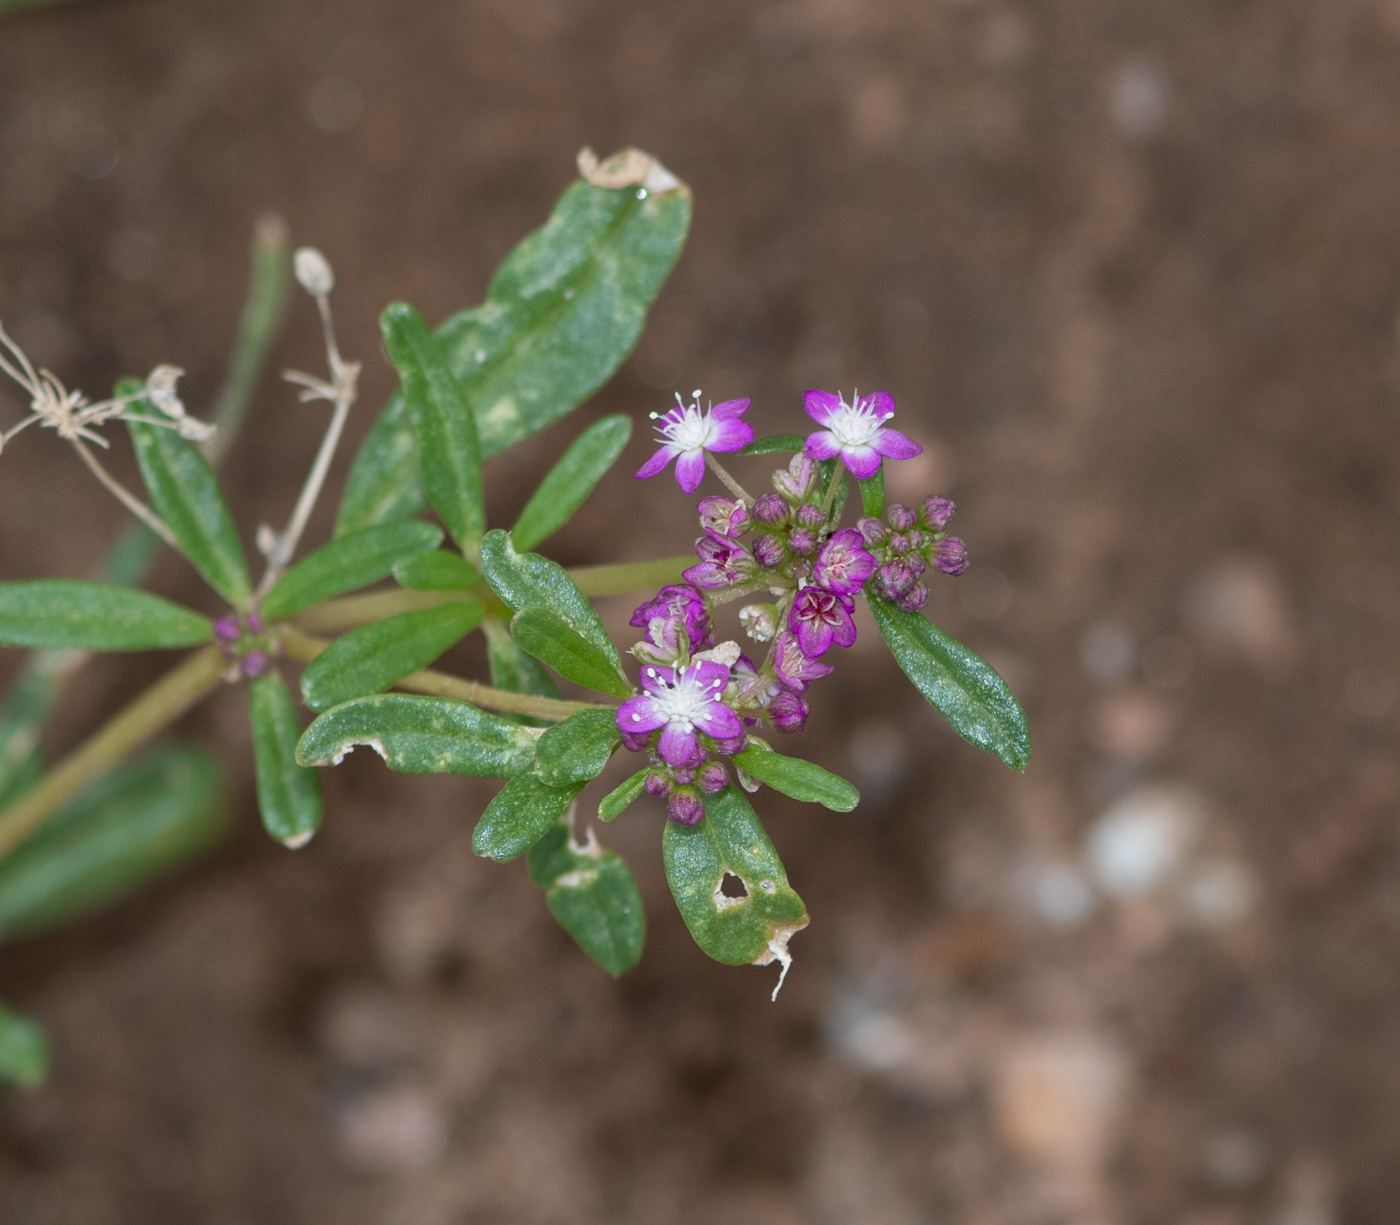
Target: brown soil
x: 1131, y: 272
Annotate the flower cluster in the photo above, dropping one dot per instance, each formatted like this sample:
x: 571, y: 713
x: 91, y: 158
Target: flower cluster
x: 245, y: 644
x: 699, y: 699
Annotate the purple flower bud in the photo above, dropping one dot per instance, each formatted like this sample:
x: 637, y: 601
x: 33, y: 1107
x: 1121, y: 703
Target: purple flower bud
x: 723, y: 516
x: 950, y: 555
x: 788, y: 712
x: 937, y: 512
x: 873, y: 530
x: 770, y: 509
x: 769, y: 552
x: 722, y: 563
x: 683, y: 776
x: 893, y: 580
x: 635, y: 742
x: 809, y: 515
x: 256, y: 663
x: 255, y: 624
x: 915, y: 600
x: 657, y: 783
x: 685, y: 808
x: 901, y: 518
x: 916, y: 564
x: 227, y: 631
x: 794, y: 483
x: 917, y: 540
x: 802, y: 541
x: 713, y: 777
x: 899, y: 544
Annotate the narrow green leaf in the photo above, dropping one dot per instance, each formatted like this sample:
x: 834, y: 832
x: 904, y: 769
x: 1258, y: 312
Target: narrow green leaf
x: 750, y: 929
x: 289, y: 795
x: 61, y: 612
x: 520, y: 816
x: 593, y: 895
x: 527, y: 580
x: 384, y: 481
x: 551, y: 640
x: 775, y: 444
x: 616, y: 801
x: 570, y: 481
x: 802, y: 780
x: 373, y: 657
x: 961, y: 685
x: 134, y: 824
x: 872, y: 493
x: 348, y: 563
x: 577, y: 749
x: 436, y: 571
x: 186, y: 495
x: 562, y: 312
x: 448, y: 450
x: 420, y: 735
x: 24, y: 1049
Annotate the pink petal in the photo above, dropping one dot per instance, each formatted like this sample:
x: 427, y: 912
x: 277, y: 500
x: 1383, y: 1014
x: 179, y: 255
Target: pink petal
x: 821, y: 445
x: 719, y: 721
x: 690, y: 470
x: 655, y: 463
x: 844, y: 632
x: 863, y: 462
x: 639, y: 714
x: 896, y: 445
x: 881, y: 402
x: 655, y: 679
x: 820, y: 405
x: 730, y: 408
x: 729, y: 435
x: 680, y: 748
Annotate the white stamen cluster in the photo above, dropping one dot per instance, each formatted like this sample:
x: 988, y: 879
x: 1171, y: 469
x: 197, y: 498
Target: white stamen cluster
x: 855, y: 425
x: 686, y: 426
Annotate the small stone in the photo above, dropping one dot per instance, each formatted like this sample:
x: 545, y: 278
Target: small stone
x: 397, y: 1130
x: 1142, y: 840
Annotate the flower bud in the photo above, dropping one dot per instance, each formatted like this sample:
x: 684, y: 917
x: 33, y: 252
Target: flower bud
x: 759, y: 621
x: 936, y: 512
x: 635, y: 742
x: 901, y: 518
x: 899, y: 543
x: 770, y: 509
x: 723, y: 516
x: 893, y: 580
x: 794, y: 483
x: 656, y: 783
x: 873, y: 530
x: 256, y: 663
x: 684, y: 808
x: 313, y: 272
x: 809, y: 515
x: 950, y: 555
x: 713, y: 778
x: 802, y: 541
x: 227, y: 631
x: 769, y: 552
x: 788, y: 712
x: 915, y: 600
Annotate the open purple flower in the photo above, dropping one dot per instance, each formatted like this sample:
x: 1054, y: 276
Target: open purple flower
x: 794, y: 667
x: 723, y: 516
x: 844, y: 564
x: 819, y: 618
x: 688, y: 431
x: 677, y: 606
x: 722, y: 561
x: 856, y: 432
x: 682, y: 705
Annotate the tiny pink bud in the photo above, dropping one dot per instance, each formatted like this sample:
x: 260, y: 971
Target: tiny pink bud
x: 684, y: 808
x: 802, y: 541
x: 950, y: 555
x: 937, y: 512
x: 915, y: 600
x: 769, y: 552
x: 256, y: 663
x: 770, y: 509
x: 873, y: 530
x: 657, y: 783
x: 713, y: 778
x: 901, y: 518
x: 226, y: 630
x: 810, y: 516
x: 788, y: 712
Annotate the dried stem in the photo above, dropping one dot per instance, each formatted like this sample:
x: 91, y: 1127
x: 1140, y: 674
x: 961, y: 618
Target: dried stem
x: 125, y: 496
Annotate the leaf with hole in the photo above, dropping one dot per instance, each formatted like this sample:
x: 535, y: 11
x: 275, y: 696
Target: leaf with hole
x: 802, y: 780
x: 289, y: 795
x: 962, y: 686
x: 61, y: 612
x: 348, y: 563
x: 570, y: 481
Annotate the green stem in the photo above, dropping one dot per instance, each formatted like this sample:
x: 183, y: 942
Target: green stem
x: 304, y: 648
x: 630, y: 576
x: 734, y: 487
x: 154, y: 710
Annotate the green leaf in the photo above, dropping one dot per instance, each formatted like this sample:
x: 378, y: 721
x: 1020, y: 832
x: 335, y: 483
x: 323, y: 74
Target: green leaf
x: 802, y: 780
x: 24, y: 1050
x: 592, y: 893
x: 186, y: 495
x: 520, y: 816
x: 872, y: 493
x: 551, y: 640
x: 384, y: 482
x: 61, y: 612
x: 775, y: 444
x: 347, y: 563
x: 961, y: 685
x: 527, y: 580
x: 448, y: 450
x: 577, y: 749
x: 616, y: 801
x: 752, y: 929
x: 570, y: 481
x: 513, y: 670
x: 562, y: 312
x: 134, y: 824
x: 419, y: 735
x: 436, y: 571
x: 289, y: 795
x: 373, y: 657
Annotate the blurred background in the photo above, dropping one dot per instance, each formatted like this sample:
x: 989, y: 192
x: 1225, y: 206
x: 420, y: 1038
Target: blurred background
x: 1132, y: 273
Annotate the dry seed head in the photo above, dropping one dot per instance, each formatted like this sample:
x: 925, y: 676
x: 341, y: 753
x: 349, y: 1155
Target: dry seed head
x: 313, y: 271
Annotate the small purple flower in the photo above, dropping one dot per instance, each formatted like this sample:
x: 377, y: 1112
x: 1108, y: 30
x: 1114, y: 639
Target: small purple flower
x: 950, y: 555
x: 227, y: 630
x: 722, y: 562
x: 688, y: 431
x: 685, y: 807
x: 788, y: 712
x: 770, y: 509
x: 819, y: 618
x: 676, y: 605
x: 682, y: 705
x: 856, y: 432
x: 723, y: 516
x: 937, y: 512
x: 843, y: 565
x: 256, y: 663
x: 795, y: 668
